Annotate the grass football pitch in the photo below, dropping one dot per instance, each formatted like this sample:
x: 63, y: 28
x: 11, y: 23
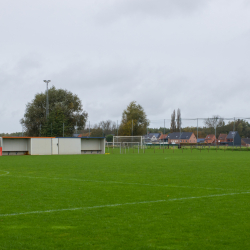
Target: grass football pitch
x: 154, y: 200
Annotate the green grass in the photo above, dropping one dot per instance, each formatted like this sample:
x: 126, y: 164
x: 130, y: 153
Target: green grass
x: 172, y: 200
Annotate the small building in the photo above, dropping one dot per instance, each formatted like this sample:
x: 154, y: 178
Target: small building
x: 152, y: 137
x: 183, y: 137
x: 222, y: 138
x: 163, y: 138
x: 210, y: 139
x: 201, y: 140
x: 52, y: 145
x: 245, y: 142
x: 233, y: 139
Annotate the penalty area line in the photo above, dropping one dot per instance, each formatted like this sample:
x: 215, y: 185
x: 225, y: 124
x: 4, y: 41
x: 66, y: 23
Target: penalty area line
x: 118, y: 205
x: 6, y: 172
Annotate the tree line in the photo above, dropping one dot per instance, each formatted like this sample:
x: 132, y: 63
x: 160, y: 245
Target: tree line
x: 66, y: 117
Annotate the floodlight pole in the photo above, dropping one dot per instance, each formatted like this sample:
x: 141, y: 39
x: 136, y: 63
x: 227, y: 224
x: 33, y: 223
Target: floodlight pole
x: 180, y: 129
x: 233, y: 133
x: 132, y: 127
x: 164, y: 126
x: 197, y: 129
x: 117, y: 128
x: 47, y: 99
x: 215, y: 125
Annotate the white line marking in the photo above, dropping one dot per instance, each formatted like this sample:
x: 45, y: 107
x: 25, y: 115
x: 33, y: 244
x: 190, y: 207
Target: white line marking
x: 117, y: 205
x: 125, y: 183
x: 6, y: 172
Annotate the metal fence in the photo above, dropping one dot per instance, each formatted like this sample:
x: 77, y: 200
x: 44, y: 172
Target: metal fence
x: 196, y: 125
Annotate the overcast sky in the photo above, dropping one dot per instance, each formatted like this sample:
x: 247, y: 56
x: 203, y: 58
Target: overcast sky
x: 164, y: 54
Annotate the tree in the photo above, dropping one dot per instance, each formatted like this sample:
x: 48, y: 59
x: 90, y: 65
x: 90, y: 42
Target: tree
x: 240, y: 125
x: 97, y: 132
x: 134, y: 121
x: 173, y: 124
x: 65, y: 112
x: 178, y: 120
x: 103, y: 128
x: 216, y: 122
x: 109, y: 138
x: 108, y: 127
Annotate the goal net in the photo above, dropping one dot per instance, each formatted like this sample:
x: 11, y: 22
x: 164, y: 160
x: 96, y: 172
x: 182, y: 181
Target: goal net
x: 128, y: 141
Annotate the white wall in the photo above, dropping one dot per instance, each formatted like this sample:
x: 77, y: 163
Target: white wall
x: 29, y: 146
x: 103, y: 146
x: 15, y: 144
x: 54, y: 145
x: 93, y: 144
x: 90, y: 144
x: 43, y: 146
x: 69, y: 146
x: 40, y: 146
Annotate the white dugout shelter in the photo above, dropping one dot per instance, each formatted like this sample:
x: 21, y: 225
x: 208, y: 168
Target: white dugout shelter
x: 51, y: 145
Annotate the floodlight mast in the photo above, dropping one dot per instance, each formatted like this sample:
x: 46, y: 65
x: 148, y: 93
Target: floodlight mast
x: 47, y: 99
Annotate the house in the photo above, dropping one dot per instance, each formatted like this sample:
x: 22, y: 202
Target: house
x: 245, y: 142
x: 183, y: 137
x: 152, y: 137
x: 222, y: 138
x: 200, y: 140
x: 210, y: 139
x: 163, y: 138
x: 233, y: 139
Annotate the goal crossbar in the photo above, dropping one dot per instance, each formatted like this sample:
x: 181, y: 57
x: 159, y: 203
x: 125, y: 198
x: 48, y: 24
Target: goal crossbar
x: 128, y: 139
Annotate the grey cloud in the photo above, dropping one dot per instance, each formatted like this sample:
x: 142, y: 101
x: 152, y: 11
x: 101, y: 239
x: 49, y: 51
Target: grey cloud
x: 114, y: 10
x: 192, y: 55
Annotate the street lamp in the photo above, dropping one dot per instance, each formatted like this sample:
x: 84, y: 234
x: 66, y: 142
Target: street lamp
x: 47, y: 99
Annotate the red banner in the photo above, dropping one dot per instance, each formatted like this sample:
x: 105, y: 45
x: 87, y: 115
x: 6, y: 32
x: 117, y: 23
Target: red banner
x: 1, y: 152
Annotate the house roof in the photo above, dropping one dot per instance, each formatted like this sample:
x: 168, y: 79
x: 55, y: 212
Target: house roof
x: 150, y: 135
x: 76, y: 135
x: 210, y: 136
x: 246, y: 140
x: 200, y: 139
x: 178, y: 135
x: 163, y: 136
x: 222, y: 137
x: 232, y: 134
x: 84, y: 135
x: 174, y: 135
x: 186, y: 135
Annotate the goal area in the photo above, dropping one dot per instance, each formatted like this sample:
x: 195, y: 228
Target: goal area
x: 128, y: 141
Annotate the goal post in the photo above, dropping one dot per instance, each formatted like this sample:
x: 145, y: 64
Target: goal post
x: 128, y: 140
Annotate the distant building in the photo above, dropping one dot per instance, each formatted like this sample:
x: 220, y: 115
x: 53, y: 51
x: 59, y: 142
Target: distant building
x: 163, y: 138
x: 222, y: 138
x: 233, y: 138
x: 245, y: 142
x: 210, y: 139
x: 152, y: 137
x: 183, y: 137
x: 200, y: 140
